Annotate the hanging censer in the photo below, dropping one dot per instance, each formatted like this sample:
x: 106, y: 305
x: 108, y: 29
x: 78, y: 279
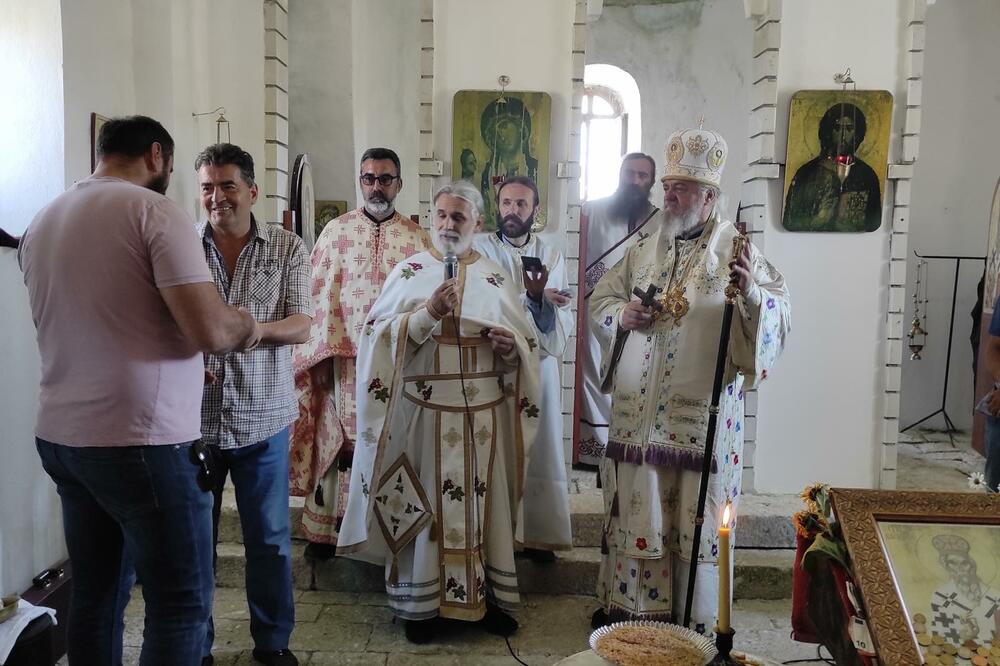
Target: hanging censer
x: 844, y: 156
x: 918, y: 336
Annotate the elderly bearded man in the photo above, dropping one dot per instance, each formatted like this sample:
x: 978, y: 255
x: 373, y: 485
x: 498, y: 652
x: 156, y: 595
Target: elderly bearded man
x: 610, y: 226
x: 350, y: 261
x: 659, y: 371
x: 546, y: 491
x: 447, y: 410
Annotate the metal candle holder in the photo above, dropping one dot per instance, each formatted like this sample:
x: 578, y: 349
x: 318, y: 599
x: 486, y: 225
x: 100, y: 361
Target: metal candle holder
x: 724, y: 644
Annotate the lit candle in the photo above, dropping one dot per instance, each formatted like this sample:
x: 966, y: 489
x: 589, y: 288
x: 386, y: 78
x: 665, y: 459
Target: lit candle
x: 724, y: 572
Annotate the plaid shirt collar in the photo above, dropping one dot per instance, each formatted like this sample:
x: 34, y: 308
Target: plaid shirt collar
x: 204, y: 230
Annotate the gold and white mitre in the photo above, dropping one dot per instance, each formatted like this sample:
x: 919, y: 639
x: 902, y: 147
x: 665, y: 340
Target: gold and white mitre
x: 696, y: 154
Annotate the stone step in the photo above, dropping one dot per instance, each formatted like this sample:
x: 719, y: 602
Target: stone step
x: 764, y: 520
x: 586, y: 518
x: 759, y: 574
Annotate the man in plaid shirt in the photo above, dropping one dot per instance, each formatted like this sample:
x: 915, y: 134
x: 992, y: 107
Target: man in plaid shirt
x: 249, y: 398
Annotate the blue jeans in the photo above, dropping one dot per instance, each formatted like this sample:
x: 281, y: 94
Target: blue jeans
x: 260, y: 477
x: 992, y: 451
x: 135, y: 506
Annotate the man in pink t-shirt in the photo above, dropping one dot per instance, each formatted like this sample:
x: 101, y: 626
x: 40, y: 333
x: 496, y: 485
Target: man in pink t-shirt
x: 124, y: 306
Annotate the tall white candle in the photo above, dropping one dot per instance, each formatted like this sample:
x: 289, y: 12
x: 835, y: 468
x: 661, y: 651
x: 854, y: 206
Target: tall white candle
x: 725, y: 580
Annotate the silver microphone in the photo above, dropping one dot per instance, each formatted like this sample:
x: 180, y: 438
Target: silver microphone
x: 450, y: 264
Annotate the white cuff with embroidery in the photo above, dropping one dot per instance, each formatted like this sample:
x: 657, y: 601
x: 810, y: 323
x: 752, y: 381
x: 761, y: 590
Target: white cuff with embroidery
x: 422, y: 324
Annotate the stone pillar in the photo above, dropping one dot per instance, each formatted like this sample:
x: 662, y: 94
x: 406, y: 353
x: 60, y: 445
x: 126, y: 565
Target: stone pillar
x: 901, y: 173
x: 427, y: 168
x: 760, y: 172
x: 573, y: 203
x: 275, y: 183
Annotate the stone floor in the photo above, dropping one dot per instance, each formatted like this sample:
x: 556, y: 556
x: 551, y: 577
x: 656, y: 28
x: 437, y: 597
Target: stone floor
x: 936, y: 460
x: 357, y: 630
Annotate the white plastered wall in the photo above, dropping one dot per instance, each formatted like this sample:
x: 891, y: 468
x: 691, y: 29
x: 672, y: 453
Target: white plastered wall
x: 321, y: 97
x: 167, y: 61
x: 114, y: 57
x: 544, y: 66
x: 354, y: 75
x: 826, y: 409
x: 31, y: 173
x: 952, y: 193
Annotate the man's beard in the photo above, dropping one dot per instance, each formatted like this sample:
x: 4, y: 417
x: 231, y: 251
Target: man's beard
x: 379, y: 206
x: 513, y: 226
x: 681, y: 224
x: 968, y: 584
x: 160, y: 181
x: 630, y: 201
x: 445, y: 242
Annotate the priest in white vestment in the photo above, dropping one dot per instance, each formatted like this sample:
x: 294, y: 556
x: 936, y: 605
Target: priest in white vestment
x: 545, y: 299
x: 448, y: 406
x: 608, y: 227
x: 658, y: 365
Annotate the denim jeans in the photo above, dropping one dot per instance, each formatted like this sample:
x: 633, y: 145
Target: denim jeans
x: 992, y: 451
x: 138, y: 506
x: 260, y: 477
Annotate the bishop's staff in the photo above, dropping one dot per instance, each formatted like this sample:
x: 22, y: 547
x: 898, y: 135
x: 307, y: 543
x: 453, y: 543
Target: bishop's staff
x: 732, y: 293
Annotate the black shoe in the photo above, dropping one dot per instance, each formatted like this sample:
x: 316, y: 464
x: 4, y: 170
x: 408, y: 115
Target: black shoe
x: 275, y: 657
x: 207, y: 661
x: 539, y: 555
x: 319, y: 552
x: 420, y: 631
x: 598, y: 619
x: 498, y: 622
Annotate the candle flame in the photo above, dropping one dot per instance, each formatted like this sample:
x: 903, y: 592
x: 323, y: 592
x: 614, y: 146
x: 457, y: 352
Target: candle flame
x: 725, y: 515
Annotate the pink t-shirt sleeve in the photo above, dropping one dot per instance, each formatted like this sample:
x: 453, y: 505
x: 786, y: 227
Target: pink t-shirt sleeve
x: 175, y: 251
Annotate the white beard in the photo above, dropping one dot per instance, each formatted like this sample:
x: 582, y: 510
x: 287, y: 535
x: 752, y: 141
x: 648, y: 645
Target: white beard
x: 378, y: 208
x: 459, y: 247
x: 675, y: 225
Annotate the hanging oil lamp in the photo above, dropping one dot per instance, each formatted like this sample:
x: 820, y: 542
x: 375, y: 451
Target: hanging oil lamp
x: 221, y: 123
x: 917, y: 336
x: 844, y: 156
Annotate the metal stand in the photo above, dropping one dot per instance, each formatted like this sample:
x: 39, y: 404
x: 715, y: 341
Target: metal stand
x: 949, y: 425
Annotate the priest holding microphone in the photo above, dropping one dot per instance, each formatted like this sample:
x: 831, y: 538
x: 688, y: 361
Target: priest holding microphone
x: 448, y: 407
x: 659, y: 354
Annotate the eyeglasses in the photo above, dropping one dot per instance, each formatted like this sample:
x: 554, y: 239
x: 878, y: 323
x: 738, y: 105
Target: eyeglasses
x: 385, y: 180
x: 200, y: 456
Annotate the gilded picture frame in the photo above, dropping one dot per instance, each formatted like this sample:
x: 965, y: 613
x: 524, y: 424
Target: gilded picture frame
x: 498, y: 136
x: 328, y: 210
x: 904, y: 543
x: 824, y: 127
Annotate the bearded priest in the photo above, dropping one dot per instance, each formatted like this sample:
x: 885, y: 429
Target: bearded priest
x: 658, y: 364
x: 544, y: 287
x: 448, y: 406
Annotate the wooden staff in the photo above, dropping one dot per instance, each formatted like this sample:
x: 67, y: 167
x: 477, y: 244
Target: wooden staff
x: 732, y: 292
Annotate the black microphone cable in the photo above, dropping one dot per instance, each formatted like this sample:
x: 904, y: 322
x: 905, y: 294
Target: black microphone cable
x: 470, y: 423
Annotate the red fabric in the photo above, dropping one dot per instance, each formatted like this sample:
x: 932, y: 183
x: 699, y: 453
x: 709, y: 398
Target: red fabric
x: 841, y: 576
x: 803, y: 629
x: 811, y: 598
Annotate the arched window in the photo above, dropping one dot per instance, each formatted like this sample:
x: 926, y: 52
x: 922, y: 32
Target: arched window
x: 610, y: 127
